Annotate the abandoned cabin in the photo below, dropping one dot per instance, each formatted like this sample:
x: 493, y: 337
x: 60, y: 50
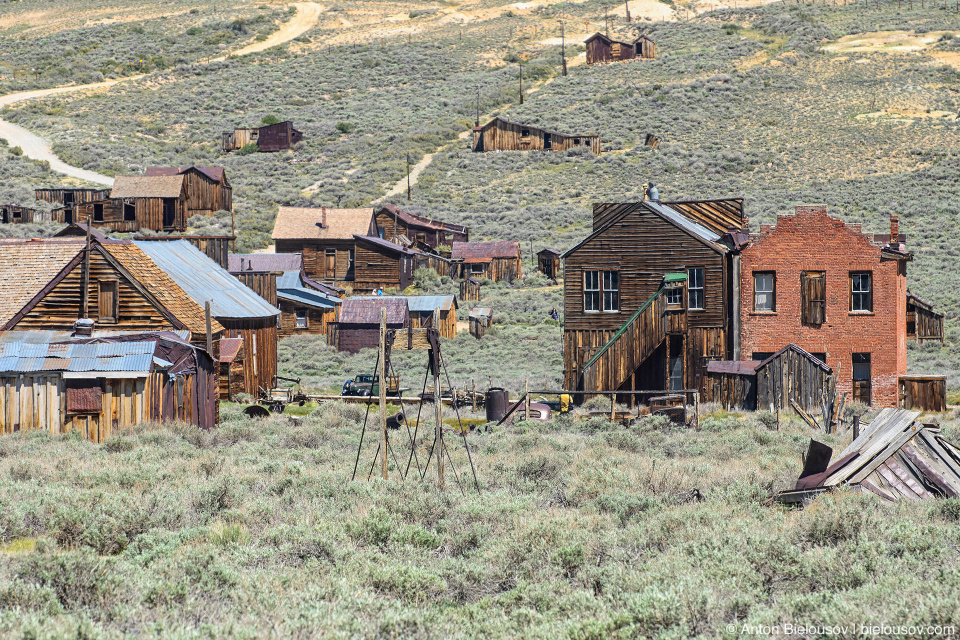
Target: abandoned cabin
x: 359, y: 323
x: 306, y: 306
x: 548, y: 263
x: 923, y: 322
x: 399, y: 226
x: 142, y: 202
x: 836, y: 292
x: 230, y: 364
x: 648, y: 295
x: 424, y: 308
x: 135, y: 286
x: 326, y: 238
x: 98, y: 385
x: 502, y: 135
x: 67, y: 202
x: 470, y: 289
x: 498, y: 261
x: 601, y: 48
x: 269, y: 137
x: 207, y: 188
x: 12, y: 214
x: 480, y: 319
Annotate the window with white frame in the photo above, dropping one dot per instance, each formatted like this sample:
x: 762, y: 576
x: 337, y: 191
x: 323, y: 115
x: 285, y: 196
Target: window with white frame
x: 695, y: 287
x: 611, y: 291
x: 601, y: 291
x: 764, y: 291
x: 861, y: 291
x: 591, y: 291
x: 301, y: 318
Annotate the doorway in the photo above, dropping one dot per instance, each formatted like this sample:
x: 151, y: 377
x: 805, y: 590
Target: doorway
x: 861, y: 378
x: 169, y: 213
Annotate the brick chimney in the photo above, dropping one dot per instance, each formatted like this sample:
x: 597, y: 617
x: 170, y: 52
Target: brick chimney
x: 894, y: 228
x: 323, y: 217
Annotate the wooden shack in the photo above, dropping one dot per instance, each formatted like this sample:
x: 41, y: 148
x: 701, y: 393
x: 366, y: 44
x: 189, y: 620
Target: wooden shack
x: 548, y: 263
x: 359, y: 324
x: 393, y: 223
x: 645, y: 48
x: 480, y: 318
x: 923, y: 322
x: 269, y: 137
x: 423, y: 309
x: 923, y: 392
x: 207, y: 188
x: 381, y: 264
x: 498, y: 261
x: 773, y: 384
x: 75, y: 205
x: 502, y: 135
x: 146, y: 202
x: 231, y: 368
x: 326, y: 238
x: 470, y: 290
x: 14, y: 214
x: 600, y: 48
x: 101, y: 386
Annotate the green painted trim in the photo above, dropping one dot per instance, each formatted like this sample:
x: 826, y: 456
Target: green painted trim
x: 623, y: 329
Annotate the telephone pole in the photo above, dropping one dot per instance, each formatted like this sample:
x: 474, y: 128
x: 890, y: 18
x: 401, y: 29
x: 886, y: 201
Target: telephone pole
x: 409, y: 192
x: 520, y: 64
x: 563, y: 47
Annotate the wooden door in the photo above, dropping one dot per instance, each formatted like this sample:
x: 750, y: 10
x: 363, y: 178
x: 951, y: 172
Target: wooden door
x: 861, y: 378
x: 330, y: 263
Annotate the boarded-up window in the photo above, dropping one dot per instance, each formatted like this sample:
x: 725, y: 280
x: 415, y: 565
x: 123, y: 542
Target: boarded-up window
x: 813, y: 297
x: 330, y: 266
x: 764, y: 291
x: 861, y: 378
x: 107, y: 300
x: 615, y: 49
x: 861, y: 291
x: 84, y: 396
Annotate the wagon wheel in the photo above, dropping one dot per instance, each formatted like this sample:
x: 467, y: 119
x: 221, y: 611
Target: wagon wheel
x: 277, y: 407
x: 256, y: 411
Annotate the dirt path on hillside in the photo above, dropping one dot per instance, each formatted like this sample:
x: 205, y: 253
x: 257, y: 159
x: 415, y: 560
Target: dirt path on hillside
x: 37, y: 148
x: 415, y: 172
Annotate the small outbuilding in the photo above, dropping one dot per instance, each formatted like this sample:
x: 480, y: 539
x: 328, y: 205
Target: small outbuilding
x: 269, y: 137
x: 923, y: 392
x: 923, y: 322
x: 394, y: 223
x: 601, y: 48
x: 359, y: 324
x: 470, y: 290
x: 503, y: 135
x: 497, y: 261
x: 422, y: 309
x: 13, y: 214
x: 548, y: 263
x: 231, y: 368
x: 481, y: 318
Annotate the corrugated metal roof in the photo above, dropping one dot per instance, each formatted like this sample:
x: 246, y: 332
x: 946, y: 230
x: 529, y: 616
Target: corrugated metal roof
x: 367, y: 310
x: 481, y: 312
x: 37, y: 336
x: 683, y: 222
x: 384, y: 244
x: 307, y: 297
x: 203, y: 279
x: 422, y: 304
x: 24, y: 357
x: 229, y: 348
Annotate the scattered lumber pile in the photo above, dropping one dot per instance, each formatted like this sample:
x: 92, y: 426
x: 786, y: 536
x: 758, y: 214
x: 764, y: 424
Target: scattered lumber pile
x: 896, y: 457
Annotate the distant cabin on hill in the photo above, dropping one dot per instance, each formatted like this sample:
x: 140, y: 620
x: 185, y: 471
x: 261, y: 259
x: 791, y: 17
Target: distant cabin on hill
x: 502, y: 135
x: 269, y: 137
x: 601, y: 48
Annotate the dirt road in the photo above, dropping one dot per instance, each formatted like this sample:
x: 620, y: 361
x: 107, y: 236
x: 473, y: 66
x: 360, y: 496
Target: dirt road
x: 306, y: 18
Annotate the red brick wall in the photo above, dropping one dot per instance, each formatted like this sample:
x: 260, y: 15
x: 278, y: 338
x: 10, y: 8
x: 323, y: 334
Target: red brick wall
x: 811, y: 240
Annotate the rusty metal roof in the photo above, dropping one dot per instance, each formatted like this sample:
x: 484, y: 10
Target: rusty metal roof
x: 230, y: 349
x: 203, y: 279
x: 422, y: 304
x: 484, y: 251
x: 366, y: 310
x: 23, y: 357
x: 420, y: 221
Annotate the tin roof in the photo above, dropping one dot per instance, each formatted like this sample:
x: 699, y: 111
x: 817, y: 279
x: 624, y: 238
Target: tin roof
x: 484, y: 251
x: 46, y: 336
x: 720, y: 215
x: 203, y: 279
x: 528, y: 126
x: 23, y: 357
x: 481, y: 312
x: 237, y: 262
x: 685, y: 223
x: 367, y: 310
x: 301, y: 223
x: 229, y: 349
x: 423, y: 304
x: 383, y: 244
x: 147, y: 187
x: 308, y: 297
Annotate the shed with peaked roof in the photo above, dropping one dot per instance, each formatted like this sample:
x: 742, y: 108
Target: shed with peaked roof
x: 923, y: 321
x: 231, y: 368
x: 359, y: 324
x: 548, y: 263
x: 207, y: 188
x: 423, y: 308
x: 146, y: 202
x: 503, y: 135
x: 269, y: 137
x: 14, y: 213
x: 381, y: 264
x: 393, y: 222
x: 480, y: 319
x: 325, y: 238
x: 500, y: 260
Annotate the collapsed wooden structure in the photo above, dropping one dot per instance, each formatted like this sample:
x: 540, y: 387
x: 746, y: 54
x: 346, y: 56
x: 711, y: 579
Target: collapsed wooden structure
x: 895, y: 456
x: 923, y: 322
x: 402, y: 227
x: 503, y: 135
x: 601, y: 48
x: 269, y: 137
x: 99, y: 385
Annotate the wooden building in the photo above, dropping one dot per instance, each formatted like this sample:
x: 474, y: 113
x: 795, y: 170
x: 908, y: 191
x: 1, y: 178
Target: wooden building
x: 480, y: 319
x: 923, y: 322
x: 305, y: 306
x: 359, y: 324
x: 498, y: 261
x: 230, y: 364
x: 470, y: 290
x: 326, y: 238
x: 143, y: 202
x: 270, y: 137
x: 502, y: 135
x: 923, y: 392
x: 600, y: 49
x: 74, y: 205
x: 548, y: 263
x: 395, y: 224
x: 791, y: 375
x: 423, y: 309
x: 101, y: 386
x: 645, y: 48
x: 647, y: 299
x: 207, y: 188
x: 381, y: 264
x: 13, y: 214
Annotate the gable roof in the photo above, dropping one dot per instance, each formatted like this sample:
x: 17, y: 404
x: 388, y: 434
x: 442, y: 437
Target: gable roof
x: 24, y: 357
x: 549, y: 251
x: 718, y: 215
x: 217, y: 174
x: 79, y: 230
x: 413, y: 219
x: 367, y: 310
x: 161, y: 186
x: 302, y: 223
x: 607, y: 40
x: 28, y: 266
x: 203, y: 279
x: 484, y: 251
x: 161, y: 286
x: 237, y: 262
x: 421, y: 304
x: 530, y: 126
x: 383, y: 244
x: 806, y: 354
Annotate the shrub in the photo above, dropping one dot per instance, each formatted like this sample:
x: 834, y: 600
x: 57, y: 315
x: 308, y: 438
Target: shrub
x: 17, y: 151
x: 250, y: 147
x: 270, y: 119
x: 345, y: 127
x: 79, y: 579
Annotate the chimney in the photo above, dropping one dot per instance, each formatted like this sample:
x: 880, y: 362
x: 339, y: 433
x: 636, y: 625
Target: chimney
x: 83, y: 327
x: 745, y: 225
x: 323, y: 217
x: 894, y: 229
x: 241, y: 264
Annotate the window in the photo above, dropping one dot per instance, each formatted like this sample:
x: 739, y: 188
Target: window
x: 764, y: 291
x: 861, y: 291
x: 695, y: 288
x: 301, y: 319
x: 98, y: 213
x: 107, y: 294
x: 611, y: 291
x: 601, y: 290
x: 813, y: 297
x: 675, y: 296
x: 591, y: 291
x: 525, y: 132
x: 477, y: 268
x: 350, y: 265
x: 822, y: 357
x: 760, y: 356
x: 17, y: 214
x: 129, y: 212
x: 861, y: 377
x: 576, y: 141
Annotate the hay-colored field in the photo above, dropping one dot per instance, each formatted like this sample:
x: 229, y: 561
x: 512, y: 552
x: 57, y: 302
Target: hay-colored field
x: 886, y: 41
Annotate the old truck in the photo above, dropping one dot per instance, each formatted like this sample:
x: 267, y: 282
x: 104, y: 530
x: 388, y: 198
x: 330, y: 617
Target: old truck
x: 368, y: 384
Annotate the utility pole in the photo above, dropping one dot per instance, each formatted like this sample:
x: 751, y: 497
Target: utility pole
x: 606, y: 20
x: 626, y: 3
x: 382, y: 374
x: 520, y: 64
x: 409, y: 192
x: 477, y: 123
x: 438, y: 405
x: 563, y: 47
x: 85, y: 297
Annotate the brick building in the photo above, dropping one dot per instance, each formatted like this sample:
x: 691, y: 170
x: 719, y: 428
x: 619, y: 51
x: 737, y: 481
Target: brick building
x: 840, y: 294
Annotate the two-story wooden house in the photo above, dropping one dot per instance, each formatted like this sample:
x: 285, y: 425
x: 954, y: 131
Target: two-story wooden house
x: 395, y: 224
x: 325, y: 237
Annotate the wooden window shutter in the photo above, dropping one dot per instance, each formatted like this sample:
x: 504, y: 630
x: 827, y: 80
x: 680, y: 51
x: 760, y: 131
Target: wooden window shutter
x: 813, y: 294
x: 107, y: 300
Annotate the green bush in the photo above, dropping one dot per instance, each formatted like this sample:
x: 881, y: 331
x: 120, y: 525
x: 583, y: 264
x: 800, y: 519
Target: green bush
x: 250, y: 147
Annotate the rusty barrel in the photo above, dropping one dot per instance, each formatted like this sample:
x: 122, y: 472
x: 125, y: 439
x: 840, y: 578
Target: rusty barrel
x: 497, y: 401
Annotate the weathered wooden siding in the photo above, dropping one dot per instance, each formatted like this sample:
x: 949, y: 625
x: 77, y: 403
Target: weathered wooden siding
x: 263, y: 283
x: 205, y: 196
x: 549, y: 265
x: 730, y: 390
x: 318, y: 320
x: 598, y: 51
x: 11, y: 214
x: 923, y: 393
x: 260, y: 351
x: 791, y: 376
x: 507, y: 136
x: 393, y: 226
x: 469, y: 290
x: 497, y: 269
x: 314, y: 258
x: 447, y: 322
